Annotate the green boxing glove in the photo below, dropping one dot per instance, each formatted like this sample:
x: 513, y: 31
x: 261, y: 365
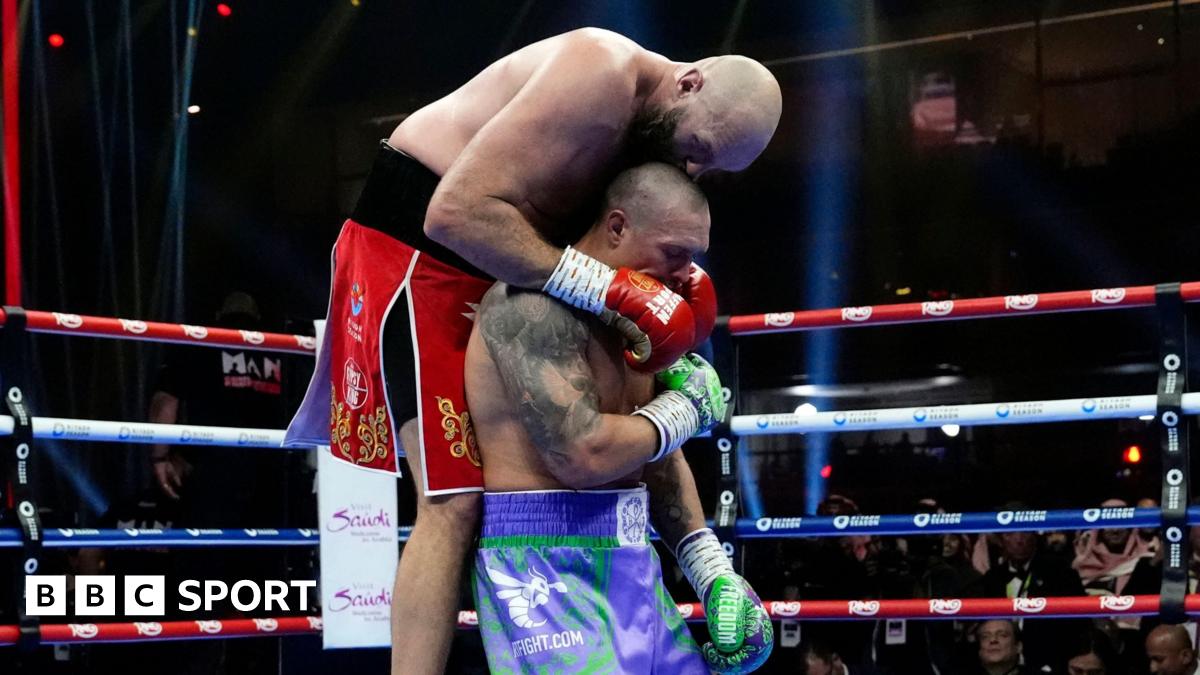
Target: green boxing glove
x: 693, y: 402
x: 741, y: 629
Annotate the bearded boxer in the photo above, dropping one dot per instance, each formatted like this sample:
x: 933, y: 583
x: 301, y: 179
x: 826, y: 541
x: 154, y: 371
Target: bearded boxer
x: 480, y: 185
x: 565, y: 577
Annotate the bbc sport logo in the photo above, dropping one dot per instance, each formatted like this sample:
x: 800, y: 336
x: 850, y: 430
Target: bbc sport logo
x: 147, y: 595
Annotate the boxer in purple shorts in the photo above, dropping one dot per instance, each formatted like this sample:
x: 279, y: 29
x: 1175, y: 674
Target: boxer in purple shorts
x: 554, y: 599
x: 565, y: 578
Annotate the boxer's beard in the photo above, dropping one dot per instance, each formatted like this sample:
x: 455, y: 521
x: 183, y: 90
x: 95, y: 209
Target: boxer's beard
x: 652, y: 136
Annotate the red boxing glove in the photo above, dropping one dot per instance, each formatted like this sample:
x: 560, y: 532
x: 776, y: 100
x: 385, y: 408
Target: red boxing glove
x: 665, y: 323
x: 658, y: 324
x: 702, y: 298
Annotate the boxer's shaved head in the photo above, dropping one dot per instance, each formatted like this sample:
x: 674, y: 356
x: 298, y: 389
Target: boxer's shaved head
x: 746, y: 101
x: 649, y: 194
x: 655, y: 220
x: 725, y: 111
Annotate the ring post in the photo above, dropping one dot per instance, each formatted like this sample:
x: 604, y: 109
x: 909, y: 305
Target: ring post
x: 18, y: 451
x: 726, y: 511
x: 1173, y: 444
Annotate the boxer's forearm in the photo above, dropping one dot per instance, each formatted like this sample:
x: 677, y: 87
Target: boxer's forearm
x: 615, y: 446
x: 494, y: 236
x: 675, y: 508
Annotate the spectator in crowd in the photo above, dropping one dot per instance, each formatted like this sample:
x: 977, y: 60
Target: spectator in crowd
x: 1000, y: 648
x: 1093, y: 654
x: 838, y: 569
x: 821, y: 659
x: 1149, y: 534
x: 985, y: 552
x: 1105, y: 558
x: 219, y: 487
x: 948, y: 575
x: 1059, y: 544
x: 222, y: 387
x: 1022, y: 572
x: 1169, y: 651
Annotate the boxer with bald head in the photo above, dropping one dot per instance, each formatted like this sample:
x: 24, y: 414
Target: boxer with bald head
x: 481, y: 185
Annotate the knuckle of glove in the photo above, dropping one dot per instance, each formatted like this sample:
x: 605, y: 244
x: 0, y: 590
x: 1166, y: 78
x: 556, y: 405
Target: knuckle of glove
x: 701, y: 297
x: 657, y: 311
x: 693, y: 377
x: 743, y: 635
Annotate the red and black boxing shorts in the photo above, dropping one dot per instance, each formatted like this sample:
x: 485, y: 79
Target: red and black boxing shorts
x: 400, y: 313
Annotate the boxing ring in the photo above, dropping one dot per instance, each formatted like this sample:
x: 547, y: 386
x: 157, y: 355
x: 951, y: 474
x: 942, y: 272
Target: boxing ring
x: 21, y: 430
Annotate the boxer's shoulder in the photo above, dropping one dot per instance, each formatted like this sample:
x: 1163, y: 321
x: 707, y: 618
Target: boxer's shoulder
x: 605, y: 58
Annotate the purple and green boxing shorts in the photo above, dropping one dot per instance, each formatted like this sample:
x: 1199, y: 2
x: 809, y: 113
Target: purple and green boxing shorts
x: 567, y: 582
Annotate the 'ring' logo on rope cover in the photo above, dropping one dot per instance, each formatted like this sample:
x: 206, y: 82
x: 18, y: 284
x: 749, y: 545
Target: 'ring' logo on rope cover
x: 937, y: 308
x: 856, y: 314
x: 763, y: 524
x: 864, y: 608
x: 1029, y: 605
x: 252, y: 337
x: 315, y: 623
x: 1004, y: 517
x: 685, y: 610
x: 195, y: 332
x: 1089, y: 405
x: 840, y: 522
x: 762, y: 422
x: 306, y: 341
x: 84, y: 631
x: 921, y: 519
x: 468, y: 618
x: 1116, y: 603
x: 789, y: 608
x: 839, y: 419
x: 780, y: 319
x: 210, y: 627
x: 1091, y: 515
x: 1021, y: 303
x: 266, y: 625
x: 135, y: 327
x: 920, y: 414
x: 148, y: 628
x: 1108, y: 296
x: 947, y: 607
x: 1002, y: 411
x: 68, y: 321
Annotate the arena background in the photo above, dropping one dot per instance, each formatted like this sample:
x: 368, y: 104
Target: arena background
x: 927, y: 151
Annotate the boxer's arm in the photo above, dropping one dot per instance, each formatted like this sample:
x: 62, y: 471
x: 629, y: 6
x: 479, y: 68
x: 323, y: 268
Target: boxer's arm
x: 675, y: 509
x: 570, y: 113
x: 539, y: 347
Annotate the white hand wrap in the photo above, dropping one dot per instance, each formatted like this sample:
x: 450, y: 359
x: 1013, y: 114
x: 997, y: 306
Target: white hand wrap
x: 702, y: 559
x: 675, y: 417
x: 580, y: 281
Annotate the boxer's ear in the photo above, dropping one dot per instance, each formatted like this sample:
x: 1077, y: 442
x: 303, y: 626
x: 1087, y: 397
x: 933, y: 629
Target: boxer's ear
x: 688, y: 80
x: 616, y: 227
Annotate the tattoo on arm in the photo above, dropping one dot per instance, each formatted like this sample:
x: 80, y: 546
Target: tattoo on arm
x: 539, y: 346
x: 674, y: 503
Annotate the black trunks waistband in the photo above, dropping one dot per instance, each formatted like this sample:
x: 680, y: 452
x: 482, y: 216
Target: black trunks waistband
x: 394, y: 200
